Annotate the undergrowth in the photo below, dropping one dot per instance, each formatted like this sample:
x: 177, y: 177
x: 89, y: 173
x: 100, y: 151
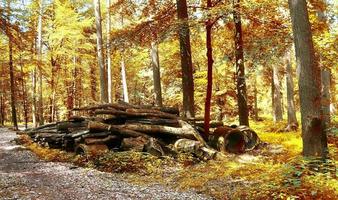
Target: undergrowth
x: 274, y: 171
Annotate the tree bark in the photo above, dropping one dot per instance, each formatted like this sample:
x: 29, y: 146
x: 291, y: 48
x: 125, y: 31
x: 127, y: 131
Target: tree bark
x: 39, y: 49
x: 11, y: 69
x: 313, y: 134
x: 276, y: 95
x: 208, y: 26
x: 186, y: 61
x: 292, y: 120
x: 108, y: 54
x: 155, y: 63
x: 240, y: 71
x: 326, y: 79
x: 103, y: 86
x: 124, y: 81
x: 255, y: 97
x: 24, y: 95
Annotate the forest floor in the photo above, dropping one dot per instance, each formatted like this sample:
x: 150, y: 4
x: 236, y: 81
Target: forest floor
x: 24, y: 176
x: 274, y: 171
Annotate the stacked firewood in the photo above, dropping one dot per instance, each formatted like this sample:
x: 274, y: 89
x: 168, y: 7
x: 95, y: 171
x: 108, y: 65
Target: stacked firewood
x: 156, y: 130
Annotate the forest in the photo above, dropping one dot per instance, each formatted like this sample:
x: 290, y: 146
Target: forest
x: 267, y: 65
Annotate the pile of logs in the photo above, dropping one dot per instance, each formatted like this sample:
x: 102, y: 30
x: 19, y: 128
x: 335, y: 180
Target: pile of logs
x: 156, y: 130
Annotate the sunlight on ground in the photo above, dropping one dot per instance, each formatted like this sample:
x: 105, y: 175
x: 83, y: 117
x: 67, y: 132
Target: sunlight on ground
x: 276, y: 170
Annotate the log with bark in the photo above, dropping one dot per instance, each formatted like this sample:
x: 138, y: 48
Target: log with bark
x: 156, y: 130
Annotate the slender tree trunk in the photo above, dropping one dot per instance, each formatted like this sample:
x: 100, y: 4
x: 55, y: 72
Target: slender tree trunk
x: 255, y: 98
x: 39, y: 49
x: 103, y: 86
x: 208, y: 26
x: 313, y: 126
x: 292, y: 120
x: 124, y: 80
x: 240, y: 71
x: 276, y: 95
x: 12, y: 80
x: 24, y: 95
x: 52, y: 110
x: 2, y: 109
x: 11, y: 69
x: 326, y: 79
x: 186, y: 61
x: 2, y: 105
x: 34, y: 109
x: 110, y: 98
x: 155, y: 63
x: 93, y: 82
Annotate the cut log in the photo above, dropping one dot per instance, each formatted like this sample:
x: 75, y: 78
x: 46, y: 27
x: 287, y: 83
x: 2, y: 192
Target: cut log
x: 105, y: 140
x: 234, y: 140
x: 134, y: 114
x: 64, y: 126
x: 212, y: 124
x: 154, y: 121
x: 115, y: 129
x: 153, y: 147
x: 134, y: 144
x: 94, y: 149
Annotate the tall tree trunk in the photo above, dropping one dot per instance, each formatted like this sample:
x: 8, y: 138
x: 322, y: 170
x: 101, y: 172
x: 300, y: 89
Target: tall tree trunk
x: 208, y: 26
x: 2, y: 105
x: 255, y: 98
x: 24, y: 94
x: 326, y: 79
x: 53, y: 88
x: 93, y: 82
x: 12, y: 79
x: 124, y: 80
x: 186, y: 61
x: 292, y: 120
x: 39, y: 49
x: 313, y: 126
x: 103, y: 86
x: 240, y: 71
x: 11, y: 69
x: 34, y: 107
x: 276, y: 95
x: 2, y: 109
x: 155, y: 63
x: 108, y: 54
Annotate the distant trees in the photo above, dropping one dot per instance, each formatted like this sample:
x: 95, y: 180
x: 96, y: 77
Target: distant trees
x: 313, y: 126
x: 186, y: 60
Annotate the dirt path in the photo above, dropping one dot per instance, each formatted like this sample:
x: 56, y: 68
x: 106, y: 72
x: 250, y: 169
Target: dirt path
x: 24, y: 176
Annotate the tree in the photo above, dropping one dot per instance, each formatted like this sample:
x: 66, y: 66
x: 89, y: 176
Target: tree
x: 103, y: 86
x: 292, y: 120
x: 313, y: 126
x: 39, y: 51
x: 155, y: 63
x: 186, y: 61
x: 108, y: 54
x: 240, y: 71
x: 208, y: 27
x: 276, y: 95
x: 326, y: 84
x: 11, y: 67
